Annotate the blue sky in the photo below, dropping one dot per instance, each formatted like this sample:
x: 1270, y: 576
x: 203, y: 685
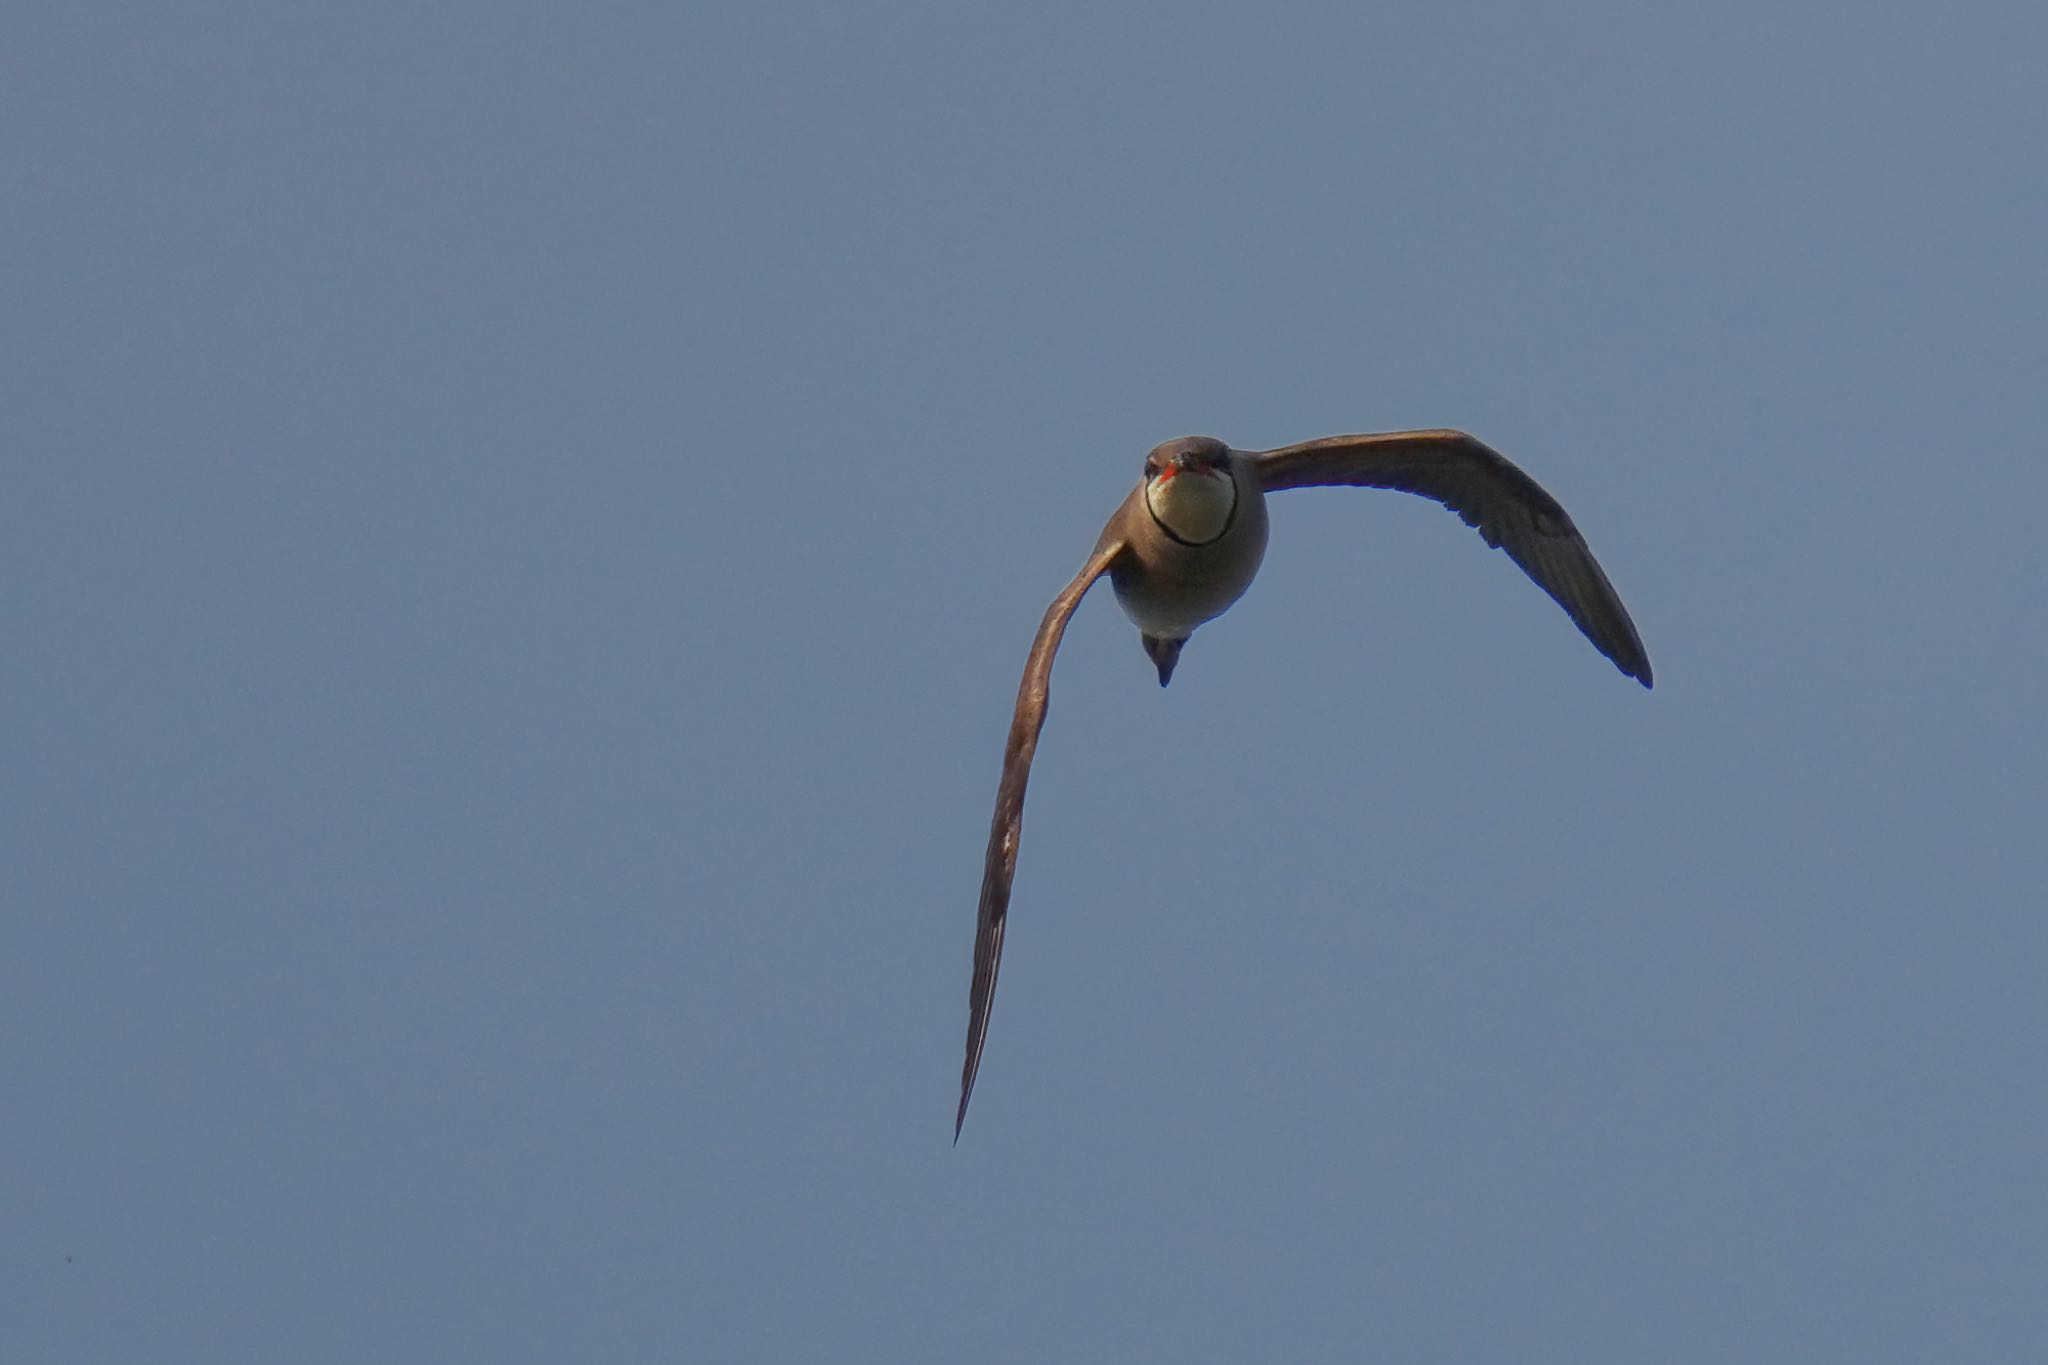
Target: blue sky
x: 522, y: 528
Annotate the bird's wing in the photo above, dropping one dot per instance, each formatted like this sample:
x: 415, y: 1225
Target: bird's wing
x: 1508, y: 508
x: 1005, y: 829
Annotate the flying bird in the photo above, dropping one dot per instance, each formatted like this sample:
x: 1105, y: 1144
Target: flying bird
x: 1185, y: 545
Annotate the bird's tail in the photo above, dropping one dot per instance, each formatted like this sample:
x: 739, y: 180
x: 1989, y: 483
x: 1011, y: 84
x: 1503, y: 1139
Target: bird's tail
x: 1164, y: 654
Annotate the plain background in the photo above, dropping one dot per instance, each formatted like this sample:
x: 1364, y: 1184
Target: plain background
x: 521, y: 524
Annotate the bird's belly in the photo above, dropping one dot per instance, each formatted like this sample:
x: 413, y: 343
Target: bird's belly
x: 1171, y: 591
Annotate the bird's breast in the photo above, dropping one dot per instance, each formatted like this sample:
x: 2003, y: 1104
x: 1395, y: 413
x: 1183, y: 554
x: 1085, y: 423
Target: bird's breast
x: 1168, y: 588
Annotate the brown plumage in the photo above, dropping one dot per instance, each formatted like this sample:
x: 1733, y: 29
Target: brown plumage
x: 1186, y: 544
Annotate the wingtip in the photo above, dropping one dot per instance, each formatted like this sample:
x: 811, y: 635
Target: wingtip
x: 1631, y: 664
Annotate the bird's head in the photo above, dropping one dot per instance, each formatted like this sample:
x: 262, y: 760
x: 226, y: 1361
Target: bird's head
x: 1191, y: 488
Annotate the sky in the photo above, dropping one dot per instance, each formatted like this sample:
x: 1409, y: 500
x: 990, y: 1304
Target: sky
x: 521, y: 528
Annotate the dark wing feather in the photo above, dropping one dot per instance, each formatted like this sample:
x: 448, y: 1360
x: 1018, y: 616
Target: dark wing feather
x: 1508, y: 508
x: 1007, y: 826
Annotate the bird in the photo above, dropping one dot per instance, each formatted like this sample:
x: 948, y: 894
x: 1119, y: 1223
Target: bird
x: 1186, y: 543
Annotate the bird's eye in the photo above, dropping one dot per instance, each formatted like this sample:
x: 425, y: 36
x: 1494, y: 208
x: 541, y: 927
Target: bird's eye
x: 1151, y: 469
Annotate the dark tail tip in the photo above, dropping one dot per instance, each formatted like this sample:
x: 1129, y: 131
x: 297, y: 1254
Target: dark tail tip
x: 1164, y: 654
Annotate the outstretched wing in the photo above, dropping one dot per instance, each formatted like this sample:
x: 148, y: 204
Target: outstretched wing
x: 1005, y: 829
x: 1508, y: 508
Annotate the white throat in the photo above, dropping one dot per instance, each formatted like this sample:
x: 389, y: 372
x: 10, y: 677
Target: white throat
x: 1193, y: 506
